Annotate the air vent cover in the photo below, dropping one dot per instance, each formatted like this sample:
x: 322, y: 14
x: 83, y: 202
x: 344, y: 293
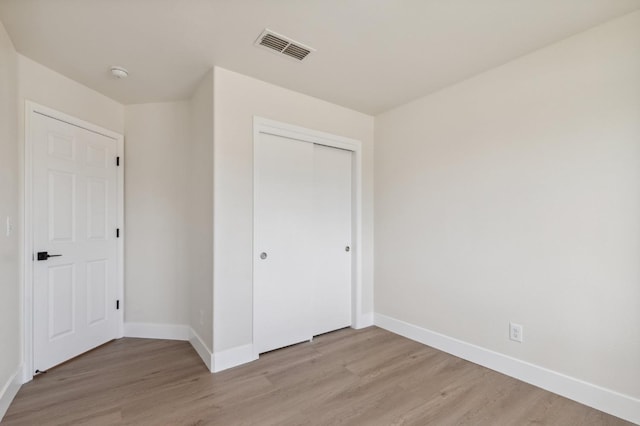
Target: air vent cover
x: 282, y: 45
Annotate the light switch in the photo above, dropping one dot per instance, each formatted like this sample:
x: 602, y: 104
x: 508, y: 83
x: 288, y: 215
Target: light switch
x: 9, y: 226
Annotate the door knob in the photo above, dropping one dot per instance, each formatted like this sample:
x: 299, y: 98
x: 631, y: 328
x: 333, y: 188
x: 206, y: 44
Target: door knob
x: 43, y: 255
x: 263, y: 255
x: 347, y: 248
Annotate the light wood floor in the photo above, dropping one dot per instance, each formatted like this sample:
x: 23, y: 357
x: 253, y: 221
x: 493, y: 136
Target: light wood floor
x: 365, y: 377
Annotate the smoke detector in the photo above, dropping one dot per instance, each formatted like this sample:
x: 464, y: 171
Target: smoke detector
x: 282, y: 45
x: 119, y: 72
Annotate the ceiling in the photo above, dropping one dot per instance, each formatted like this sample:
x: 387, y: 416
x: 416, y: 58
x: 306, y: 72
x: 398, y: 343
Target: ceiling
x: 371, y: 55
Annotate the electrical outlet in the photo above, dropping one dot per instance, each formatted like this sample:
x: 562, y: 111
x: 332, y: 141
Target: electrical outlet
x: 515, y: 332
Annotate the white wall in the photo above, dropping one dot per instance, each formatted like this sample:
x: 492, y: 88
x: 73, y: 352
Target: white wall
x: 46, y: 87
x: 156, y: 205
x: 237, y: 99
x: 515, y: 196
x: 10, y: 332
x: 199, y: 219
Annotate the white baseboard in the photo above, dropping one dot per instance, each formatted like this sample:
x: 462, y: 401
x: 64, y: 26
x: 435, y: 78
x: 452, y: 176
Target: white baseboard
x: 9, y: 391
x: 201, y: 348
x: 364, y: 321
x: 170, y: 332
x: 156, y: 331
x: 233, y: 357
x: 609, y: 401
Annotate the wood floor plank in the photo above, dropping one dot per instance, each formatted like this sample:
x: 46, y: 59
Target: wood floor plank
x: 348, y: 377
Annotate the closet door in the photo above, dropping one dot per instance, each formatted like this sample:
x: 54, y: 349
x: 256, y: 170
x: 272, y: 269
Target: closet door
x: 331, y: 239
x: 283, y: 230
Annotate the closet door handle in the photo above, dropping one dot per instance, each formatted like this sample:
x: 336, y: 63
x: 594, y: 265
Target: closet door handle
x: 263, y: 255
x: 347, y: 248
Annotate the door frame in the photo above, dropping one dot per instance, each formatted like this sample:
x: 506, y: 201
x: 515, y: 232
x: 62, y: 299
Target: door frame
x: 305, y: 135
x: 32, y: 108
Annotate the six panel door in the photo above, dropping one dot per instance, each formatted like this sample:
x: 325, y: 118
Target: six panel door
x: 74, y: 221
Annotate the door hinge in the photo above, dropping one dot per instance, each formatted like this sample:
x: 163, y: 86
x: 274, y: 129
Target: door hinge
x: 117, y: 305
x: 118, y: 161
x: 117, y: 232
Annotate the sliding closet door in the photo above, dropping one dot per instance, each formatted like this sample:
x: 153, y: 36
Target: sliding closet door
x: 332, y: 239
x: 283, y: 231
x: 302, y: 241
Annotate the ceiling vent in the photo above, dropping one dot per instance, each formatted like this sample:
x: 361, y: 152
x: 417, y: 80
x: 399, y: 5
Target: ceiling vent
x: 282, y: 45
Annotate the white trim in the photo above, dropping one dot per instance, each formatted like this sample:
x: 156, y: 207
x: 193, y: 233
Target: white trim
x: 263, y: 125
x: 27, y: 254
x: 364, y: 321
x: 147, y: 330
x: 607, y: 400
x: 123, y: 235
x: 27, y: 235
x: 233, y: 357
x: 201, y: 348
x: 9, y: 390
x: 277, y: 128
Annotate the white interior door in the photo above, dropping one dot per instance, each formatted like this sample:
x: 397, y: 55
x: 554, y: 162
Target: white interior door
x: 331, y: 239
x: 302, y: 267
x: 74, y: 196
x: 283, y: 223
